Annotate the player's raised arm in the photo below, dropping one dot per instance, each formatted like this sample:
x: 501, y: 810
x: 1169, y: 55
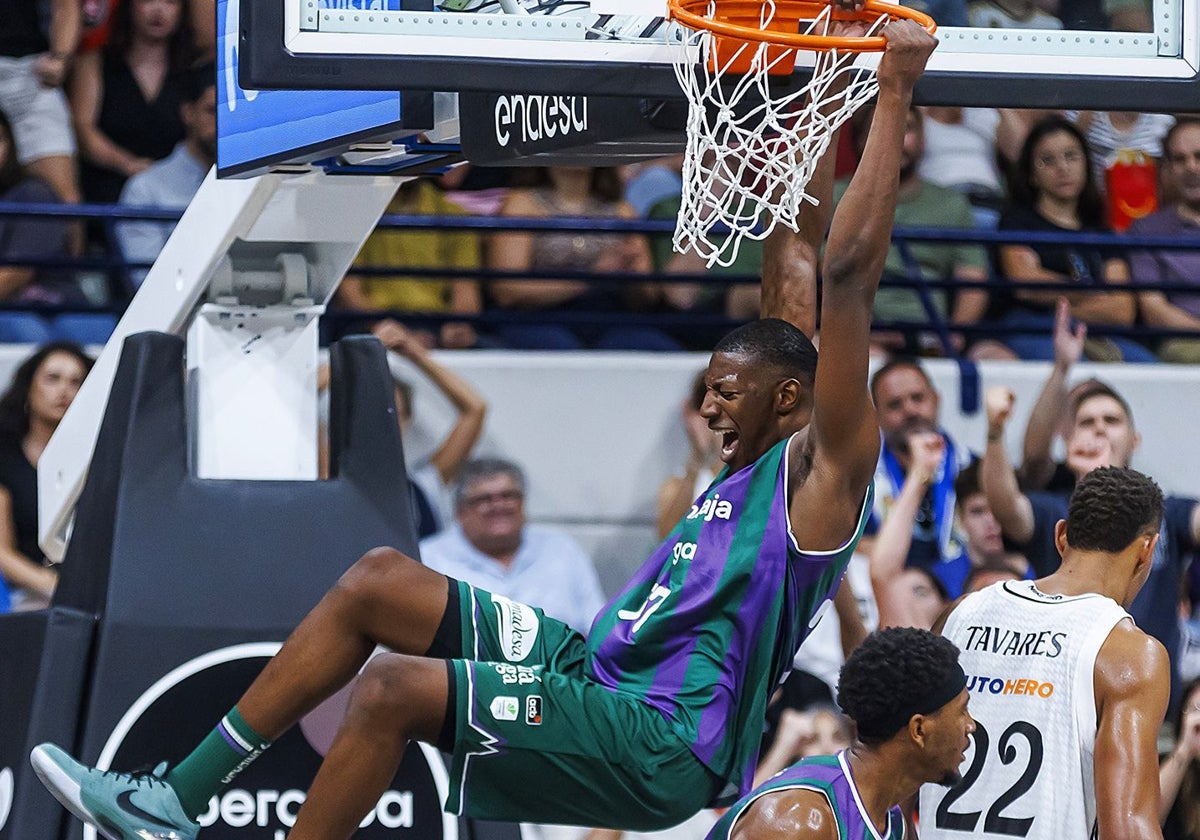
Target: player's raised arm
x: 790, y: 258
x: 845, y: 433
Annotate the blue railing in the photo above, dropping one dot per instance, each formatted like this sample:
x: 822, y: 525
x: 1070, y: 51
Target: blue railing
x: 119, y: 271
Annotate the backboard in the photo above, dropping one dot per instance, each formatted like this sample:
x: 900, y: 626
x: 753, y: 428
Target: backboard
x: 625, y: 48
x: 264, y: 130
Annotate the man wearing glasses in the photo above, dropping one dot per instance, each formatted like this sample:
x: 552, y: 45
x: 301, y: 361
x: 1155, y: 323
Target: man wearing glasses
x: 492, y: 547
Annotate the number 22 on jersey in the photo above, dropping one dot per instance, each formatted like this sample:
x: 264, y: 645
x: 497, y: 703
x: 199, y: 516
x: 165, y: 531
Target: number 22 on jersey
x: 996, y: 821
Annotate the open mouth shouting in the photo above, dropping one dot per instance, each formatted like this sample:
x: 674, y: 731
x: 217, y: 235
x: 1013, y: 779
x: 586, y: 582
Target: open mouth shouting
x: 729, y: 443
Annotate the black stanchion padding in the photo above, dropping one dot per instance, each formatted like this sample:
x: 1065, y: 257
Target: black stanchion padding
x: 193, y: 583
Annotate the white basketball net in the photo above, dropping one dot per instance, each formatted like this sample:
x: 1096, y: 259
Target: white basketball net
x: 751, y: 151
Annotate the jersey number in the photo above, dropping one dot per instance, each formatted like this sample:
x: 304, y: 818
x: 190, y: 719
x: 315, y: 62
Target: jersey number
x: 995, y: 822
x: 657, y: 596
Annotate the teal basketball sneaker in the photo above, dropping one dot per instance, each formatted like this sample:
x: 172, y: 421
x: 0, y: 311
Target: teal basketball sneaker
x: 121, y: 806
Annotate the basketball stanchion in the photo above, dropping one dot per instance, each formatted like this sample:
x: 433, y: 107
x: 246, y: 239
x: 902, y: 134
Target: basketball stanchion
x: 753, y: 138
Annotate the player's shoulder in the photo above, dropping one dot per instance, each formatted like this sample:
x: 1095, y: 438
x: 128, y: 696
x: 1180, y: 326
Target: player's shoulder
x: 787, y: 814
x: 1129, y: 662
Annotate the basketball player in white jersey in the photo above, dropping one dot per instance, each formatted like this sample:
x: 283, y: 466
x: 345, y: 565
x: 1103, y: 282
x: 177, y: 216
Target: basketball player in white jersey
x: 1067, y: 692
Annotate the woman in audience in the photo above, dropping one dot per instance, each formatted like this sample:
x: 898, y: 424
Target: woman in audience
x: 34, y: 237
x: 1054, y: 192
x: 125, y: 98
x: 574, y: 191
x: 42, y: 390
x: 1179, y: 774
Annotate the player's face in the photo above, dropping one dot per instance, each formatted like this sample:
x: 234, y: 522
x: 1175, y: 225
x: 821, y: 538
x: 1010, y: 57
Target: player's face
x: 952, y: 738
x: 54, y: 386
x: 1059, y: 167
x: 1183, y: 165
x: 983, y: 531
x: 1101, y: 436
x: 492, y: 513
x: 905, y: 403
x: 739, y: 407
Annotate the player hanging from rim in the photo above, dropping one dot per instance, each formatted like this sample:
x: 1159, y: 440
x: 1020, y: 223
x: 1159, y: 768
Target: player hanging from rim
x: 914, y: 732
x: 1067, y: 692
x: 659, y: 713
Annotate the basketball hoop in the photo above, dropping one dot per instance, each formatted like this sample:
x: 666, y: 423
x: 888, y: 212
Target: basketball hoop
x: 753, y: 145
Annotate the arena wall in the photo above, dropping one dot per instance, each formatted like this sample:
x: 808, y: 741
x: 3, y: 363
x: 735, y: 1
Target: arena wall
x: 598, y: 432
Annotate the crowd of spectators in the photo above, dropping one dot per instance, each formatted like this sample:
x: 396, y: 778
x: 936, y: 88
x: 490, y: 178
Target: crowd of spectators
x: 114, y: 101
x: 951, y: 517
x: 975, y: 169
x: 110, y: 102
x: 955, y: 516
x: 106, y: 101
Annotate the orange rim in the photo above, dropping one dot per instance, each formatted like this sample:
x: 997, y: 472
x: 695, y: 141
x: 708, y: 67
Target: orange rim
x: 685, y: 11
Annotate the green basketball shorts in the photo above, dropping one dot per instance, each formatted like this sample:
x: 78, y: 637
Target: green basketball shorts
x: 535, y: 741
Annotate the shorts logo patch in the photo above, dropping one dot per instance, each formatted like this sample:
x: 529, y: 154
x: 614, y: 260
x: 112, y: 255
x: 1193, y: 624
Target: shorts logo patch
x: 518, y: 628
x: 505, y: 708
x: 533, y: 710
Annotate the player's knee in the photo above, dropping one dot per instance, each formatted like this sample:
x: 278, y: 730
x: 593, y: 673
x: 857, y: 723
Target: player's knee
x: 383, y: 686
x: 377, y: 570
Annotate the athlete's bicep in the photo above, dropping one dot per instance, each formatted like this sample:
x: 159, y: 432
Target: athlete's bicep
x: 1133, y: 686
x: 786, y: 815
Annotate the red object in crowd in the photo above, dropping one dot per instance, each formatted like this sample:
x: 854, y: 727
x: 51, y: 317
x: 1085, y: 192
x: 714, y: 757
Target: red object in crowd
x: 97, y: 20
x: 1132, y: 188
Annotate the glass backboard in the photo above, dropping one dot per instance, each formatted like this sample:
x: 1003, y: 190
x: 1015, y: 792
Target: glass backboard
x: 1017, y: 54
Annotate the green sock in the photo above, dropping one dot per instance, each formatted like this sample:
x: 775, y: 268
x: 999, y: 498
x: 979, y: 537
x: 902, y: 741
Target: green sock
x: 224, y: 752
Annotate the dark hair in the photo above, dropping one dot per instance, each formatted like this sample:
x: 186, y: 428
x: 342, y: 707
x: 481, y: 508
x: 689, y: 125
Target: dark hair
x: 890, y: 672
x: 14, y: 414
x: 966, y: 483
x: 197, y: 79
x: 897, y: 363
x: 1181, y: 122
x: 11, y: 171
x: 482, y: 468
x: 1091, y: 205
x: 773, y: 342
x: 181, y: 51
x: 1111, y: 507
x: 1096, y: 388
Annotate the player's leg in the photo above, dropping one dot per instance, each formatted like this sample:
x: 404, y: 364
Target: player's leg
x: 396, y: 699
x: 532, y: 745
x: 385, y: 598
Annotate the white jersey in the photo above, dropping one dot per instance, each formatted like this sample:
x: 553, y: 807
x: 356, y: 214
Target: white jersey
x: 1029, y: 660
